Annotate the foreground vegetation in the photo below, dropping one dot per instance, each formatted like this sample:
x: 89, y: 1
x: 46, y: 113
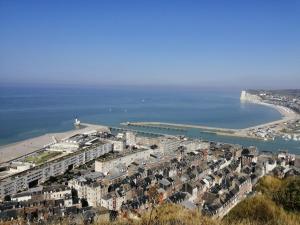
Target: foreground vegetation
x: 276, y: 202
x: 285, y: 193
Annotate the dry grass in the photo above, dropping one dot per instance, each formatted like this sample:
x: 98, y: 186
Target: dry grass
x: 258, y: 210
x: 166, y: 214
x: 261, y: 210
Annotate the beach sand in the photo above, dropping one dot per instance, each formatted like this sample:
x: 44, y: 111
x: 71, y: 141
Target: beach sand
x: 287, y: 115
x: 21, y: 148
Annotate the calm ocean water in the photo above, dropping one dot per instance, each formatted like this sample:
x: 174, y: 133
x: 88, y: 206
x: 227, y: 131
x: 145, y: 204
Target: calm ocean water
x: 28, y: 112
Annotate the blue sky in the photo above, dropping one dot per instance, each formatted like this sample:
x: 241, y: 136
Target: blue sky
x: 247, y: 44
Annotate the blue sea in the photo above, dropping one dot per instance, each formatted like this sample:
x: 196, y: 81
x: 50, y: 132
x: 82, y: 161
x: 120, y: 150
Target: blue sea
x: 27, y: 112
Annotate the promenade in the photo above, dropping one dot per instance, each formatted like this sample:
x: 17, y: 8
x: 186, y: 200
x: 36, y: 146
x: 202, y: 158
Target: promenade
x: 21, y: 148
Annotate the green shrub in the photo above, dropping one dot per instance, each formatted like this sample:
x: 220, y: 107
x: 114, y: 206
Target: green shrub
x: 289, y: 194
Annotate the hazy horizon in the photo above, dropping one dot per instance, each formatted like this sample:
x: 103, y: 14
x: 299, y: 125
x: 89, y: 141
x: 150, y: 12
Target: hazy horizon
x: 232, y: 44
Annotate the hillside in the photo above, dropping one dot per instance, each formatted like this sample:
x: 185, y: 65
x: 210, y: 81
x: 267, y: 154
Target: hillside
x: 276, y: 203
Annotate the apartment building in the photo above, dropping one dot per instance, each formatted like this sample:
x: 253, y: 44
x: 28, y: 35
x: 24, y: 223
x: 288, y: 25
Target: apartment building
x: 39, y: 174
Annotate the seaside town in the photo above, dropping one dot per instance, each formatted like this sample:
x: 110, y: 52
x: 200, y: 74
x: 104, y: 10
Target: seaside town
x: 287, y: 102
x: 104, y: 172
x: 286, y: 98
x: 149, y: 112
x: 109, y: 173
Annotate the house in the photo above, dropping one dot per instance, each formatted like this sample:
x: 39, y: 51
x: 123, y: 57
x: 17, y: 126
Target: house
x: 270, y: 165
x: 192, y: 189
x: 88, y: 189
x: 56, y: 192
x: 112, y: 201
x: 24, y: 196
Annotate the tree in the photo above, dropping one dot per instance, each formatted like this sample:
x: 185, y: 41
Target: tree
x: 52, y: 179
x: 154, y: 146
x: 7, y: 198
x: 84, y: 203
x: 74, y: 195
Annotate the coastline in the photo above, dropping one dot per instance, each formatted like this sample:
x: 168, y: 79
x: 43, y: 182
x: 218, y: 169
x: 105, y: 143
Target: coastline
x: 21, y: 148
x: 14, y: 150
x: 286, y: 113
x: 287, y: 116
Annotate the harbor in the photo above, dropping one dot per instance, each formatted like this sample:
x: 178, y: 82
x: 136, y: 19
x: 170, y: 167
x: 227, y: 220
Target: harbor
x: 266, y: 131
x: 280, y: 134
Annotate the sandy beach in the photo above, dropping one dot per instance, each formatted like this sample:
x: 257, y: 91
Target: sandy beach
x: 18, y: 149
x: 287, y: 115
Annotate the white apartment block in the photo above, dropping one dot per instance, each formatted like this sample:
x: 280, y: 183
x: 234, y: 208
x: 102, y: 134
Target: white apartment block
x: 169, y: 145
x: 119, y: 144
x: 39, y: 174
x: 106, y: 165
x: 146, y: 141
x: 130, y: 138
